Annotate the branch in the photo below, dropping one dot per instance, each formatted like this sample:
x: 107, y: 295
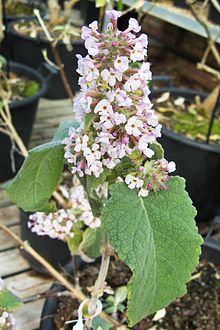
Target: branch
x: 55, y: 54
x: 76, y: 292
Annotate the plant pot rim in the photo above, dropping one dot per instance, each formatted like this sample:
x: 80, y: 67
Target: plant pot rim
x: 17, y: 67
x: 37, y: 39
x: 179, y: 137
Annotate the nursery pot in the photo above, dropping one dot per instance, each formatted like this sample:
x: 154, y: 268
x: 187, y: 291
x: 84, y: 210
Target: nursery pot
x: 23, y: 115
x: 54, y: 251
x: 29, y: 51
x: 214, y: 15
x: 180, y: 3
x: 197, y: 162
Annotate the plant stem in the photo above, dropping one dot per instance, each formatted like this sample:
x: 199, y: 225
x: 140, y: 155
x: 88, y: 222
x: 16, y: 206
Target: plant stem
x: 100, y: 282
x: 55, y: 54
x: 76, y: 292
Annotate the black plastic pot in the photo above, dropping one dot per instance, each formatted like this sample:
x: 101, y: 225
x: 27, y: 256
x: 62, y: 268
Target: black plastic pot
x: 51, y: 304
x: 211, y: 246
x: 197, y: 162
x: 214, y: 15
x: 180, y: 3
x: 54, y: 251
x: 23, y: 114
x: 29, y: 51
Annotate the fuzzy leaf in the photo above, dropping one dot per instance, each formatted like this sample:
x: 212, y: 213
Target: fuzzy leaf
x: 74, y: 242
x: 63, y: 129
x: 158, y: 150
x: 8, y: 300
x: 38, y: 178
x: 157, y: 238
x: 89, y: 118
x: 90, y: 244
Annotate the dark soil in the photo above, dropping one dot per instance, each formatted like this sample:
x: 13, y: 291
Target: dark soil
x: 199, y: 309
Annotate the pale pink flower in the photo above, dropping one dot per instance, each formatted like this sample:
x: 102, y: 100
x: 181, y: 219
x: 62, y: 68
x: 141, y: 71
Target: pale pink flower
x: 103, y: 107
x: 113, y: 14
x: 133, y: 126
x: 81, y: 143
x: 133, y: 181
x: 121, y: 63
x: 138, y: 52
x: 133, y: 25
x: 143, y: 146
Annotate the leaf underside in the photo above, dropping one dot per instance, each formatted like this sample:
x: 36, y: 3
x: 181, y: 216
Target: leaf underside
x: 157, y: 238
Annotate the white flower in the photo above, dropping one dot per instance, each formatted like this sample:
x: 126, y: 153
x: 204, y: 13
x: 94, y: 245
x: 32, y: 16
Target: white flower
x: 81, y: 143
x: 91, y: 46
x: 103, y: 107
x: 143, y: 192
x: 133, y: 126
x: 121, y: 63
x: 133, y: 181
x: 133, y: 25
x: 94, y: 25
x: 133, y: 84
x: 143, y: 146
x: 138, y: 52
x: 171, y: 167
x: 92, y: 154
x: 92, y: 74
x: 111, y: 76
x: 119, y: 118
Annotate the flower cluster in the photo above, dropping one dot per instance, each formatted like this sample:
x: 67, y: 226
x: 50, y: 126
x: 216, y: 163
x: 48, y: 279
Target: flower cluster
x: 114, y: 104
x: 7, y: 321
x: 61, y: 224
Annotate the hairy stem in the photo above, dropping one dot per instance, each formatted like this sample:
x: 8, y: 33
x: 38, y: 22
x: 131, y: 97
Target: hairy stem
x: 100, y: 282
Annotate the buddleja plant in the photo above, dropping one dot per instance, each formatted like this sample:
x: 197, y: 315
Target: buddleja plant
x: 144, y: 215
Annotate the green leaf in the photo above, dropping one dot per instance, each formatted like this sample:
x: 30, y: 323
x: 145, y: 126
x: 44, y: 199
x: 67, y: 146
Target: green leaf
x: 88, y: 120
x: 90, y: 183
x: 158, y: 150
x: 91, y: 242
x: 74, y: 242
x: 98, y: 323
x: 63, y: 129
x: 157, y: 238
x: 8, y: 300
x: 38, y: 177
x: 121, y: 294
x: 100, y: 3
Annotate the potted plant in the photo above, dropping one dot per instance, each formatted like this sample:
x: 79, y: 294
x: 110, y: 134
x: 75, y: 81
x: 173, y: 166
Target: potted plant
x: 21, y: 89
x: 143, y: 216
x: 30, y: 45
x: 15, y: 9
x: 186, y: 116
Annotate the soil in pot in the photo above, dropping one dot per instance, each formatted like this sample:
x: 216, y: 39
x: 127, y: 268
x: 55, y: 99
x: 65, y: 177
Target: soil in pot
x: 16, y: 9
x: 28, y: 41
x: 196, y: 161
x: 189, y: 117
x: 25, y: 88
x: 198, y: 309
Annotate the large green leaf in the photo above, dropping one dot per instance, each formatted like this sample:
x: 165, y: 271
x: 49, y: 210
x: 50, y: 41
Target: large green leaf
x: 38, y: 178
x: 157, y: 238
x: 91, y: 242
x: 8, y: 300
x: 63, y: 129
